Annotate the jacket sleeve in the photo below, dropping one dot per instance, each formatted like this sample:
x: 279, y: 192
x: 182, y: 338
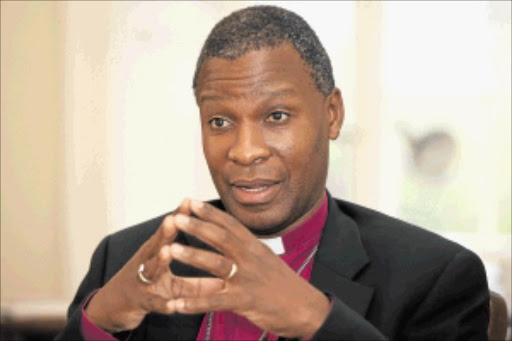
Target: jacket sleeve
x: 455, y: 308
x: 343, y: 323
x: 457, y: 305
x: 93, y: 280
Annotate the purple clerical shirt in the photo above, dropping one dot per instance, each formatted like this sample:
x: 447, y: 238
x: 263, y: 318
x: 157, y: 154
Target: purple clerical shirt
x: 298, y: 245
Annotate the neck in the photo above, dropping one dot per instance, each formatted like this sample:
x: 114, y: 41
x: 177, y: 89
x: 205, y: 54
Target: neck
x: 279, y: 231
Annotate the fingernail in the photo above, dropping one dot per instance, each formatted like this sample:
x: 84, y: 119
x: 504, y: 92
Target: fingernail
x: 196, y: 204
x: 182, y: 219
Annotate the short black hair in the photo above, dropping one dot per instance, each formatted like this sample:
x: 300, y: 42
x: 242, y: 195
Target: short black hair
x: 253, y: 28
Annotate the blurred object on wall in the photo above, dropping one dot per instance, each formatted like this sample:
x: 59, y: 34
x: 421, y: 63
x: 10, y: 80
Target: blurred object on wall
x: 433, y: 153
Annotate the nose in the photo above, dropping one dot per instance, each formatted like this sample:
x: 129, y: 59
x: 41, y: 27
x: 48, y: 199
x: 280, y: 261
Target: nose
x: 249, y: 146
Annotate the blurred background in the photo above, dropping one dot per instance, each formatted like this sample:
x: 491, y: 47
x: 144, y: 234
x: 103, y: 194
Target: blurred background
x: 100, y: 131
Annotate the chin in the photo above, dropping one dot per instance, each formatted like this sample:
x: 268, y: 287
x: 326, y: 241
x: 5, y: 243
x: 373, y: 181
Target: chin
x: 262, y: 223
x: 258, y: 217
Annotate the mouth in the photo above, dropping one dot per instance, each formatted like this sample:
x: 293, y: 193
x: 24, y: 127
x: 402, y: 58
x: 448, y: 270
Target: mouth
x: 255, y: 192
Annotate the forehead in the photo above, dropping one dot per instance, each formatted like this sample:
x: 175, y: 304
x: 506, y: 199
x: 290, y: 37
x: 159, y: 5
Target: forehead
x: 268, y: 71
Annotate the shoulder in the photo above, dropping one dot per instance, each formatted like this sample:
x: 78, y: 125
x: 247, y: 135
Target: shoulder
x: 383, y: 231
x: 401, y: 247
x: 409, y: 265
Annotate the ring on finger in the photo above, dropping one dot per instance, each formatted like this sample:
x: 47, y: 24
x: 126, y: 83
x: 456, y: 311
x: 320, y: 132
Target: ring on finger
x: 140, y: 273
x: 234, y: 269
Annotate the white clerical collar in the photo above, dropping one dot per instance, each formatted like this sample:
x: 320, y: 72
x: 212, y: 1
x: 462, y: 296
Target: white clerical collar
x: 275, y: 244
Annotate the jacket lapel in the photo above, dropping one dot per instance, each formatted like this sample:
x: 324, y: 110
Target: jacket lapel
x: 341, y: 256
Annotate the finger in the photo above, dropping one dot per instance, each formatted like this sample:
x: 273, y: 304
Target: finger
x: 184, y: 207
x: 180, y: 287
x: 167, y: 231
x: 162, y: 261
x: 196, y: 305
x: 212, y: 262
x: 165, y: 234
x: 216, y: 216
x: 195, y: 286
x: 158, y: 304
x: 157, y: 265
x: 221, y: 239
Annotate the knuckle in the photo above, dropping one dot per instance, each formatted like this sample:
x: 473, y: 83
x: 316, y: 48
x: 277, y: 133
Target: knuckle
x: 257, y: 248
x: 169, y: 307
x: 168, y: 221
x: 220, y: 263
x: 190, y: 223
x: 205, y: 208
x: 223, y: 237
x: 187, y: 251
x: 187, y: 305
x: 163, y: 254
x: 189, y: 254
x: 193, y: 223
x: 168, y: 226
x: 176, y: 287
x: 184, y: 205
x: 149, y: 302
x: 232, y: 221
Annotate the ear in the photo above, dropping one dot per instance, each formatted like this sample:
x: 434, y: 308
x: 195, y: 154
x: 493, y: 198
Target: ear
x: 335, y: 113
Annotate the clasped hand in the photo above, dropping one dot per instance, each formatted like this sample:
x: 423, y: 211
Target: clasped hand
x: 264, y: 289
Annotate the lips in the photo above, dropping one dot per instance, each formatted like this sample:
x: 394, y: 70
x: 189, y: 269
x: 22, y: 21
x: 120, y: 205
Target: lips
x: 255, y: 191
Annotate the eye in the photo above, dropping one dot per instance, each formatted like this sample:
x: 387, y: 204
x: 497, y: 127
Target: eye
x: 278, y: 117
x: 218, y: 123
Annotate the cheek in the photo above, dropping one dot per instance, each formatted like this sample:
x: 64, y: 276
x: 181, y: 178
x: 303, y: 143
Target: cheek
x: 282, y: 143
x: 213, y: 156
x: 213, y: 153
x: 304, y: 154
x: 298, y: 147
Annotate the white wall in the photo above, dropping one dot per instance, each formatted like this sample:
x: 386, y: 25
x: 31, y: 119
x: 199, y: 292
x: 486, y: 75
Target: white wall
x: 32, y: 217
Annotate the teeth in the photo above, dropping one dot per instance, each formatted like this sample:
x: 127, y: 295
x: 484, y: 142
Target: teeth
x: 254, y: 189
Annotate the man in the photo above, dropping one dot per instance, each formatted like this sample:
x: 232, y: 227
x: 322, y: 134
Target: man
x: 276, y: 257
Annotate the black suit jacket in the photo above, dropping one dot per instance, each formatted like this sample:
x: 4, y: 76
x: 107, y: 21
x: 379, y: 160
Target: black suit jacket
x: 388, y: 280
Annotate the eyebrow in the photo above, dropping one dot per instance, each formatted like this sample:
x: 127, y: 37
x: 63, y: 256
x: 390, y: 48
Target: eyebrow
x: 209, y: 98
x: 267, y: 94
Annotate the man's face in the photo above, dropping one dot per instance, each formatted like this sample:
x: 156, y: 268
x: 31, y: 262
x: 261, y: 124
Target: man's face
x: 265, y: 131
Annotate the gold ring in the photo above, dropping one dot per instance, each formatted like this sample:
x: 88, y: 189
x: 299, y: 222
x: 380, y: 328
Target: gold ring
x: 143, y: 278
x: 234, y: 269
